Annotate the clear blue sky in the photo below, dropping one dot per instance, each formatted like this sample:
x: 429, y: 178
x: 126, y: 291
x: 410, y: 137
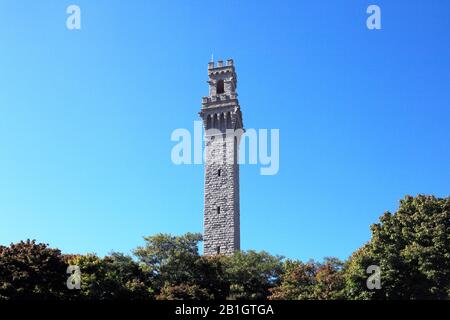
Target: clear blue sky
x: 86, y: 118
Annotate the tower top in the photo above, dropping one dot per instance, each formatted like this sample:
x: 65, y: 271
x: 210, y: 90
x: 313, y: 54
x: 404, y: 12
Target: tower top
x: 213, y: 66
x: 222, y: 98
x: 222, y: 81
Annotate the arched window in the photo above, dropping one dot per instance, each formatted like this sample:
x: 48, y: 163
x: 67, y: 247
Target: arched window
x: 220, y: 87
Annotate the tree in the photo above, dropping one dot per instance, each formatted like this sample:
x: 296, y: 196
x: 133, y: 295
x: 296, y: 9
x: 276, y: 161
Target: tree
x: 29, y: 270
x: 179, y: 272
x: 412, y: 248
x: 213, y: 277
x: 184, y: 292
x: 252, y: 274
x: 330, y: 283
x: 355, y: 274
x: 311, y: 280
x: 296, y: 282
x: 170, y: 260
x: 116, y: 276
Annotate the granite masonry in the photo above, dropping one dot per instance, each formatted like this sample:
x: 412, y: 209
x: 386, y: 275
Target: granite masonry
x: 221, y: 115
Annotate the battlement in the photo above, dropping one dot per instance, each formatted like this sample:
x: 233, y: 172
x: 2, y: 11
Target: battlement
x: 217, y: 98
x: 212, y: 65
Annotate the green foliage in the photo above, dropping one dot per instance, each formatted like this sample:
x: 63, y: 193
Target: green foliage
x: 330, y: 281
x: 356, y: 276
x: 179, y: 271
x: 212, y: 276
x: 29, y: 270
x: 412, y: 248
x: 312, y: 280
x: 184, y: 292
x: 297, y: 281
x: 170, y: 259
x: 252, y: 274
x: 114, y: 277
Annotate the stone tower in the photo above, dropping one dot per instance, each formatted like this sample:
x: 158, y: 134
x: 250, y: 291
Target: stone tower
x: 222, y: 120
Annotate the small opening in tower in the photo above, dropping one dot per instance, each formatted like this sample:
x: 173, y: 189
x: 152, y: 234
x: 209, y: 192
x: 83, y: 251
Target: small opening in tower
x: 220, y: 87
x: 218, y: 210
x: 218, y: 250
x: 219, y: 172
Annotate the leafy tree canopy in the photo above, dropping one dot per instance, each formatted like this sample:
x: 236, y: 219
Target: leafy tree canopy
x: 412, y: 248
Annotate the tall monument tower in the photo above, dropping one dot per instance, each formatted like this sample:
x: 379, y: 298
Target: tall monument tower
x: 221, y: 116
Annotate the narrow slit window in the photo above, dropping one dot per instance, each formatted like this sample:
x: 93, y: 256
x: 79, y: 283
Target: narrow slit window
x: 220, y: 87
x: 218, y: 210
x: 218, y: 250
x: 219, y: 172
